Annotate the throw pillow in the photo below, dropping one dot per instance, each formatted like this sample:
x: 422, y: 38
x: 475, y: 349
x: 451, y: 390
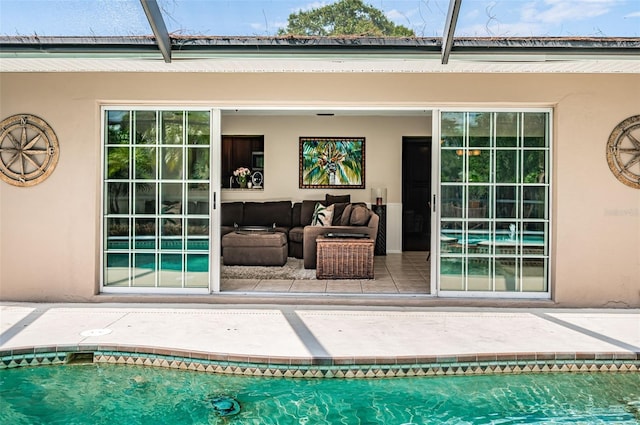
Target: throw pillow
x: 338, y: 211
x: 359, y: 215
x: 322, y: 216
x: 335, y: 199
x: 346, y: 216
x: 306, y: 212
x: 172, y: 207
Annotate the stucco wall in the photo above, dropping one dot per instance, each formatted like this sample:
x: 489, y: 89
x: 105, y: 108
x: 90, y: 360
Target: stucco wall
x: 49, y: 233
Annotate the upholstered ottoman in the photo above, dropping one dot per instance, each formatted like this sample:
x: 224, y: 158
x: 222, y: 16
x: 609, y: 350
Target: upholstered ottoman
x: 254, y: 249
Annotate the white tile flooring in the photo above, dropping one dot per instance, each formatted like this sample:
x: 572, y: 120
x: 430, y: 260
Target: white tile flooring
x: 406, y: 273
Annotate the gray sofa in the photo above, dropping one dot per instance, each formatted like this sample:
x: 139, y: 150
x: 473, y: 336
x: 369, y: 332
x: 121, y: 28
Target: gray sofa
x: 294, y: 220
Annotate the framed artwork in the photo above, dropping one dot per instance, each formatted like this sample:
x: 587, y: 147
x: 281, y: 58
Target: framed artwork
x: 331, y: 163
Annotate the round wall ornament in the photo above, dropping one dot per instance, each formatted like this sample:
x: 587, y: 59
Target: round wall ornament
x: 28, y: 150
x: 257, y: 179
x: 623, y: 151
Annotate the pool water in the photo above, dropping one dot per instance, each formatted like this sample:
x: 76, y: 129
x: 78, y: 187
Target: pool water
x: 112, y: 394
x: 474, y: 239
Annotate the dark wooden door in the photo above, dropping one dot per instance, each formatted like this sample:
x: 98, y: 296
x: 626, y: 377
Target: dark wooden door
x: 416, y: 193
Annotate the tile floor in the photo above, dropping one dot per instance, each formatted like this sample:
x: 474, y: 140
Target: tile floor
x: 406, y: 273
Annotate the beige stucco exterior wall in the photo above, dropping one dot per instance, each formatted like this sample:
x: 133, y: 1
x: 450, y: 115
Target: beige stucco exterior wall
x: 49, y: 233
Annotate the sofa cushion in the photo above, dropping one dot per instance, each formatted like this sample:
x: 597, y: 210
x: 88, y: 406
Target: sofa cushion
x: 150, y: 207
x: 230, y: 213
x: 335, y: 199
x: 359, y: 215
x: 338, y: 210
x: 306, y: 212
x: 345, y: 219
x: 295, y: 214
x: 267, y: 213
x: 322, y: 216
x: 296, y: 234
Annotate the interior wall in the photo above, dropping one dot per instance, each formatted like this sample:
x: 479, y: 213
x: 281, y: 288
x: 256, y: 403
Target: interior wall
x: 383, y: 157
x: 50, y: 240
x: 383, y: 152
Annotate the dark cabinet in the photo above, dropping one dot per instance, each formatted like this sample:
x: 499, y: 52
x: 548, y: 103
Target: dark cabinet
x: 239, y: 151
x: 381, y: 238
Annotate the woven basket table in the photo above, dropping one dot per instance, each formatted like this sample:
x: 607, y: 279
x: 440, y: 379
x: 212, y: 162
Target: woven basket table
x: 344, y: 258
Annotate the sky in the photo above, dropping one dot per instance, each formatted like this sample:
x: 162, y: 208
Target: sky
x: 478, y: 18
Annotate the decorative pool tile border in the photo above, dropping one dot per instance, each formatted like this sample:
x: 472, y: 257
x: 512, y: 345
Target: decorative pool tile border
x: 344, y: 367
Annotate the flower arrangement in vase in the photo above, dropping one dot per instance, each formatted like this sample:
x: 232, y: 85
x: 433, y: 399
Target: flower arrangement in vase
x: 242, y: 173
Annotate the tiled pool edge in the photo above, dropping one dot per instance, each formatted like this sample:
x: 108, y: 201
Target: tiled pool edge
x: 330, y: 367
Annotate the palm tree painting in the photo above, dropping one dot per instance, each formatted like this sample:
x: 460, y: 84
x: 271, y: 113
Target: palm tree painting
x: 332, y: 162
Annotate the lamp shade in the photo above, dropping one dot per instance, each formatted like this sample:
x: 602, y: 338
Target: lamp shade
x: 378, y: 195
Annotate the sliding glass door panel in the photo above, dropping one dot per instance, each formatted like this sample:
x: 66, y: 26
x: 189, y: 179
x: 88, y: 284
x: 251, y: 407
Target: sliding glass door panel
x: 494, y: 211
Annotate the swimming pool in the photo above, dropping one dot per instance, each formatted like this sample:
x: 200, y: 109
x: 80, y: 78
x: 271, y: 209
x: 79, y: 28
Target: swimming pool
x: 114, y: 394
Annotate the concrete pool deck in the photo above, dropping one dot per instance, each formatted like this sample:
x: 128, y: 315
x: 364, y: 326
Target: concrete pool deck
x: 279, y: 334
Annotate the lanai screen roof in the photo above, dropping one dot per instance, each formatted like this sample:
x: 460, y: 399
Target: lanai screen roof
x: 228, y: 36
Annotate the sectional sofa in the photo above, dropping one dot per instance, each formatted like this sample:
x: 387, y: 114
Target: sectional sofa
x: 296, y: 221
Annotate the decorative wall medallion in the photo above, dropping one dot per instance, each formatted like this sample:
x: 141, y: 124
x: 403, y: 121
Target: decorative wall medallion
x: 28, y: 150
x: 623, y: 151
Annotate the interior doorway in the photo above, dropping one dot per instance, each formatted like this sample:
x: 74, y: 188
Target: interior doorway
x: 416, y: 193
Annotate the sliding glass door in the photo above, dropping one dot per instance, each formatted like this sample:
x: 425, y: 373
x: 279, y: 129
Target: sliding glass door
x: 494, y: 227
x: 157, y: 200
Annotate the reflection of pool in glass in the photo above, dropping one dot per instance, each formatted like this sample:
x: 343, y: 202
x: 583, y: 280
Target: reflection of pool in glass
x: 165, y: 243
x: 111, y: 394
x: 197, y: 254
x: 500, y: 239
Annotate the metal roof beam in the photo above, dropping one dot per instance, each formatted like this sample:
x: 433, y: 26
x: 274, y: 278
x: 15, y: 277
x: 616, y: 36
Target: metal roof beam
x: 154, y: 16
x: 449, y: 29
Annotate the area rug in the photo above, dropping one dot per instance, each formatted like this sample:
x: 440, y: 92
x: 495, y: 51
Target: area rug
x: 292, y: 270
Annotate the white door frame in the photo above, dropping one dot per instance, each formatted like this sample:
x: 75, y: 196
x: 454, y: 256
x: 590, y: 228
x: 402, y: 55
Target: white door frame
x: 436, y: 223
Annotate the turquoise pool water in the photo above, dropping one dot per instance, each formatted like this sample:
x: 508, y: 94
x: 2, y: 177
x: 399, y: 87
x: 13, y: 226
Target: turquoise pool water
x: 474, y: 239
x: 111, y: 394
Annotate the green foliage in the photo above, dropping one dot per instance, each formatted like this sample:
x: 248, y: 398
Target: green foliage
x: 118, y: 163
x: 345, y: 17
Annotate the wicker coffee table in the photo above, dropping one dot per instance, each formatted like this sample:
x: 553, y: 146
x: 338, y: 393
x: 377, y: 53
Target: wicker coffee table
x: 344, y: 258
